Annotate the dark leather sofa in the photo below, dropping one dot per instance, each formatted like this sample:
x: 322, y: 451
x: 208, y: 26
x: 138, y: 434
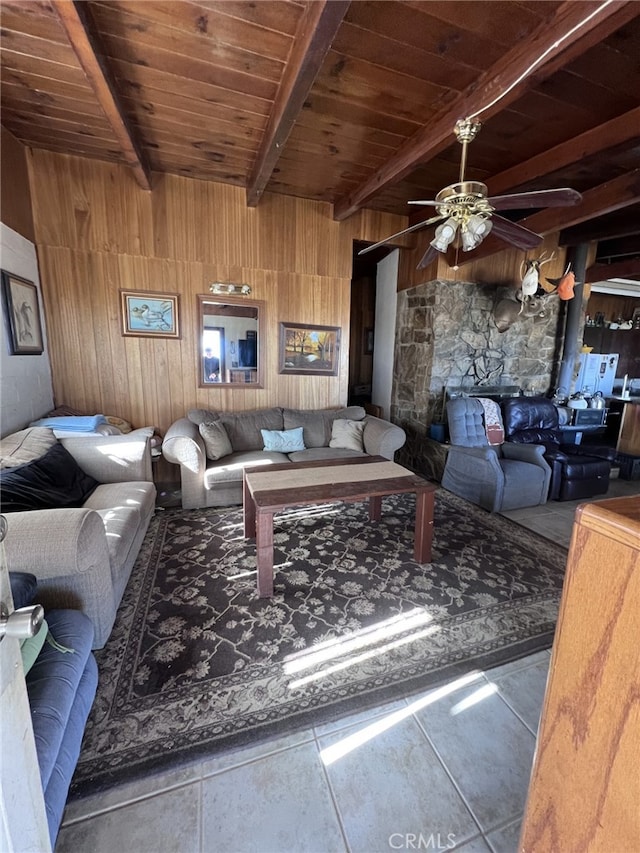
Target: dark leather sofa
x: 577, y: 471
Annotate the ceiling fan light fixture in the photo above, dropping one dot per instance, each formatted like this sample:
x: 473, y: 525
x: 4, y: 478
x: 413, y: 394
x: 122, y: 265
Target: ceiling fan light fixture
x: 467, y: 213
x: 445, y: 234
x: 474, y: 230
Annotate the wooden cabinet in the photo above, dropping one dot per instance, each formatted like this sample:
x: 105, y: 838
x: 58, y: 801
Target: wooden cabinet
x: 629, y: 435
x: 585, y: 785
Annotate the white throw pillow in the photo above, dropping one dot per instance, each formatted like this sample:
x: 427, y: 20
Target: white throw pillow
x: 283, y: 440
x: 216, y: 440
x: 347, y: 434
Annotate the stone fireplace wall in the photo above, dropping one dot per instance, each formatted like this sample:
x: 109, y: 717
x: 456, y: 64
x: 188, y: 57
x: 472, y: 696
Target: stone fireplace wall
x: 446, y: 338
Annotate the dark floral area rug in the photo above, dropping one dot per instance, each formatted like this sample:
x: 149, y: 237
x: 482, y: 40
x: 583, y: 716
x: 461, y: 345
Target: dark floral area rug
x: 197, y: 663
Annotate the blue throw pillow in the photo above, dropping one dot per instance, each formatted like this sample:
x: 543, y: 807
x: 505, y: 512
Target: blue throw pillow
x: 283, y: 440
x: 54, y: 480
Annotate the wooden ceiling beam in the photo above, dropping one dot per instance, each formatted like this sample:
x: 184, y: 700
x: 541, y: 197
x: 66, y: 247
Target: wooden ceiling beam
x: 603, y: 272
x: 614, y: 226
x: 621, y: 192
x: 606, y: 198
x: 314, y: 36
x: 624, y: 128
x: 620, y: 247
x: 509, y: 76
x: 74, y: 17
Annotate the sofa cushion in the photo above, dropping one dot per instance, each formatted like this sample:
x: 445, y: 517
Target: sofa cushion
x: 317, y: 424
x: 216, y: 440
x: 283, y: 440
x: 524, y: 413
x: 318, y: 454
x: 202, y: 416
x: 22, y: 447
x: 61, y: 687
x: 243, y: 428
x: 229, y: 469
x: 137, y: 495
x: 347, y: 434
x: 53, y: 682
x: 53, y: 480
x: 121, y: 525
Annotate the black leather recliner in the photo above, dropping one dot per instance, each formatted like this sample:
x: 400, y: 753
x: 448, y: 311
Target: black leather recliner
x: 577, y: 471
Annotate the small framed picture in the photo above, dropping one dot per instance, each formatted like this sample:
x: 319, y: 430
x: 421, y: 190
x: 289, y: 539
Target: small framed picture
x: 367, y: 342
x: 149, y: 315
x: 23, y: 315
x: 309, y: 350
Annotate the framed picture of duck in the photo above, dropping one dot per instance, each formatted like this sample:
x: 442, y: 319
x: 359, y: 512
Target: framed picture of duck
x: 148, y: 314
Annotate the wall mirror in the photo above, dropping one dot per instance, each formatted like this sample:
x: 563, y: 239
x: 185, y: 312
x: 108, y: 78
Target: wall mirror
x: 230, y: 338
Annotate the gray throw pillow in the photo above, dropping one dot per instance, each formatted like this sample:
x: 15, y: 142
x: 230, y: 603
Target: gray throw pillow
x: 216, y: 440
x: 347, y: 434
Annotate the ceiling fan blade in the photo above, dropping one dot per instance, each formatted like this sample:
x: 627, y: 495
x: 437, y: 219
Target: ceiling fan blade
x: 430, y: 201
x: 428, y: 256
x: 564, y: 197
x: 515, y: 234
x: 400, y: 233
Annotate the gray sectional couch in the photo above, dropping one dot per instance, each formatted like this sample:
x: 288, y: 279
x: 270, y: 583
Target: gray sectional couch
x: 81, y: 554
x: 207, y: 481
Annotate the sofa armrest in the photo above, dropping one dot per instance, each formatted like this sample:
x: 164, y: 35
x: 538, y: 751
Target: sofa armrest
x: 53, y: 542
x: 532, y: 453
x: 183, y: 445
x: 555, y: 454
x: 598, y: 450
x: 382, y: 438
x: 66, y: 549
x: 114, y: 458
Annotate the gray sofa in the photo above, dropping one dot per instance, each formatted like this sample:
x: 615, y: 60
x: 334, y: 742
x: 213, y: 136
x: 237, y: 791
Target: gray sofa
x: 218, y: 482
x: 82, y: 555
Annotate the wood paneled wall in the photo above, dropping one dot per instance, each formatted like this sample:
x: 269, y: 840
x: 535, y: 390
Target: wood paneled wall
x: 15, y: 201
x: 97, y: 232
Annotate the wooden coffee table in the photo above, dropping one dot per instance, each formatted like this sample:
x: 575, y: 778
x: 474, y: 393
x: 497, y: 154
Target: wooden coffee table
x: 268, y: 489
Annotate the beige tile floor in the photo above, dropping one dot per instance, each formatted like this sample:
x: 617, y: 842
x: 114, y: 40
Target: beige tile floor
x: 446, y: 769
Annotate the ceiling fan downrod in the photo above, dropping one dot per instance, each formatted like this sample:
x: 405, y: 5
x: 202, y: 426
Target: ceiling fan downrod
x: 466, y: 130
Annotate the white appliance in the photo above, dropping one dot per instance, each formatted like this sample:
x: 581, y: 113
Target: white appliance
x: 597, y: 372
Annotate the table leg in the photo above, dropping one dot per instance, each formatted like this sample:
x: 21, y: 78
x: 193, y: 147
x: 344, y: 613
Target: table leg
x: 375, y: 508
x: 423, y: 537
x: 249, y: 511
x: 264, y: 553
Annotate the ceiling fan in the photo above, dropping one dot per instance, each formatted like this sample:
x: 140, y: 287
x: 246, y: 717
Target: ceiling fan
x: 466, y: 214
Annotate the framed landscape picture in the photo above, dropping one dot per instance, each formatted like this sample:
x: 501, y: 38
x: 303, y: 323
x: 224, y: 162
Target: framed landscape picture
x: 309, y: 350
x: 23, y: 315
x: 149, y: 315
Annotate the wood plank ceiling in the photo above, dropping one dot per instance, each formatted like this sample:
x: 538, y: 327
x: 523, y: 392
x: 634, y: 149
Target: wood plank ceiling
x: 350, y: 103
